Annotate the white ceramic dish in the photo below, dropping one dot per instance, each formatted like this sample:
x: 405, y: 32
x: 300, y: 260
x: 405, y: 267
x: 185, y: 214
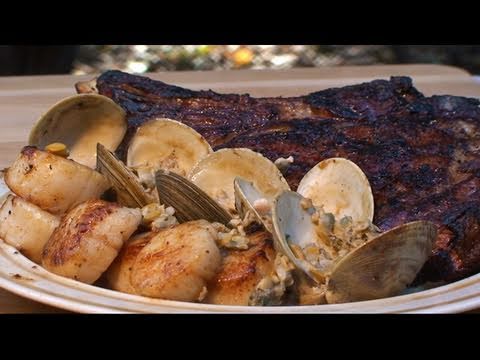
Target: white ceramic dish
x: 25, y: 278
x: 24, y: 98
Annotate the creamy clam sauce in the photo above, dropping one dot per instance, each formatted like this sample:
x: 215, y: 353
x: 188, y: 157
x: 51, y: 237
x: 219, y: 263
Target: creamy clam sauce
x: 158, y: 216
x: 335, y: 238
x: 271, y: 289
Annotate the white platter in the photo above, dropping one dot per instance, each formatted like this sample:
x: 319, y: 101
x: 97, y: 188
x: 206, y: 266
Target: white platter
x: 23, y: 99
x: 25, y: 278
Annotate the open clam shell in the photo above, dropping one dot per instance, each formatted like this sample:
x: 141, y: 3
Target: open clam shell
x: 246, y: 198
x: 129, y: 190
x: 189, y: 201
x: 215, y: 174
x: 341, y: 187
x: 293, y: 226
x: 165, y: 144
x: 80, y: 122
x: 383, y: 266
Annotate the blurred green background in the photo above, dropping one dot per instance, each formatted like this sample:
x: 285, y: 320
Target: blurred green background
x: 89, y: 59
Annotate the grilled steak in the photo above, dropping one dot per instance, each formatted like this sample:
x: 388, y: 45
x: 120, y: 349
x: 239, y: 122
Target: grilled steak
x: 421, y: 154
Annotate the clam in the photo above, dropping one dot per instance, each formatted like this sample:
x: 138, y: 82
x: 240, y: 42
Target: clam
x: 381, y: 267
x: 165, y: 144
x: 293, y: 228
x: 249, y: 200
x: 190, y: 202
x: 80, y: 122
x: 384, y: 266
x: 215, y: 174
x: 128, y: 188
x: 341, y: 187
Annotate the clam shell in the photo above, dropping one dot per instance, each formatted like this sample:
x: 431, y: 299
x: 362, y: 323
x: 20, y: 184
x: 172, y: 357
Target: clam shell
x: 80, y: 122
x: 245, y: 196
x: 127, y: 187
x: 189, y: 201
x: 383, y: 266
x: 216, y: 173
x: 341, y: 187
x: 166, y: 144
x: 292, y: 224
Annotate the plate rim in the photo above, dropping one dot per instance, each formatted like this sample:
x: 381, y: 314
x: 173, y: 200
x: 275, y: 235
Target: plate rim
x: 435, y: 300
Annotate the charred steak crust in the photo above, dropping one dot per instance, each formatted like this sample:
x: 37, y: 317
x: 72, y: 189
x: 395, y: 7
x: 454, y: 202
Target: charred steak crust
x: 421, y: 154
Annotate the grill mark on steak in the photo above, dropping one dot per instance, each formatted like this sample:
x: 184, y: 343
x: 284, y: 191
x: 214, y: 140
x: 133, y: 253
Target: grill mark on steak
x: 421, y: 154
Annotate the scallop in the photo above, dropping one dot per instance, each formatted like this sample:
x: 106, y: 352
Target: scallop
x: 241, y: 271
x: 215, y: 174
x: 165, y: 144
x: 4, y: 190
x: 25, y: 226
x: 88, y: 239
x: 52, y: 182
x: 341, y: 187
x: 118, y: 274
x: 80, y: 122
x: 178, y: 262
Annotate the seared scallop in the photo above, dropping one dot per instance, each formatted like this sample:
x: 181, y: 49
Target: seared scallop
x: 118, y: 274
x: 25, y: 226
x: 88, y: 239
x: 241, y: 271
x: 178, y: 262
x: 52, y: 182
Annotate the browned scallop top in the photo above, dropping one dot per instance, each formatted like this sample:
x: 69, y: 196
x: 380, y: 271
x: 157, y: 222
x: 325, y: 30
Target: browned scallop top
x: 29, y: 151
x: 131, y: 249
x: 246, y: 266
x: 167, y: 259
x: 170, y: 258
x: 32, y: 152
x: 31, y: 157
x: 74, y: 226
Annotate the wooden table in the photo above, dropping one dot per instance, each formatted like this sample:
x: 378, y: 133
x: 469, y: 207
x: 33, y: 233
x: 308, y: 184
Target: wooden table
x: 23, y: 99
